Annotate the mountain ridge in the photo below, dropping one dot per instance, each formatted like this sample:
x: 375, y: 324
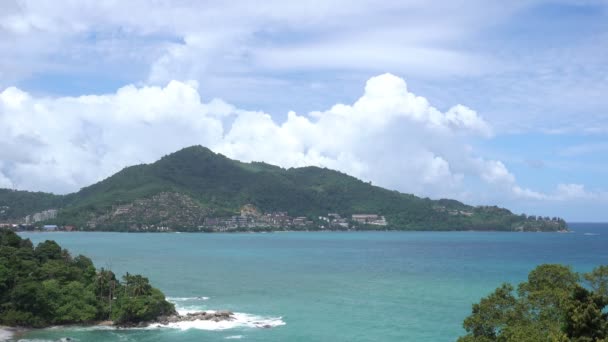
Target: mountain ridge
x: 205, y: 186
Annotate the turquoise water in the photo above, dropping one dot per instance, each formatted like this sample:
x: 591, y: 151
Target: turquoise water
x: 361, y: 286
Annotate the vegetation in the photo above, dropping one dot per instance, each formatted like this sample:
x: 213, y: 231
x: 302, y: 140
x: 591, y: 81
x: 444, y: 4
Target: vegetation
x: 45, y: 286
x: 17, y: 204
x: 220, y: 186
x: 554, y: 305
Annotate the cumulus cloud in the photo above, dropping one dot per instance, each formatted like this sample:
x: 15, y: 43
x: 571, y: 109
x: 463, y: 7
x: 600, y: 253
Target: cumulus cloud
x: 389, y: 136
x: 62, y: 144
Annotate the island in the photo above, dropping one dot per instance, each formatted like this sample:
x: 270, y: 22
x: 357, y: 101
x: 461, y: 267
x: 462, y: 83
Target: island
x: 45, y: 286
x: 197, y: 190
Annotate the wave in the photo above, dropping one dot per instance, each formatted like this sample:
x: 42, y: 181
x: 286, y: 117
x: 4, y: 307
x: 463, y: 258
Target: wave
x: 241, y: 320
x: 591, y: 234
x: 63, y: 339
x: 186, y: 299
x: 5, y: 335
x: 234, y: 337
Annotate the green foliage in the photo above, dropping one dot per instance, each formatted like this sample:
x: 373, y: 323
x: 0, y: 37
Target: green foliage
x: 45, y: 286
x: 220, y: 186
x: 17, y: 204
x: 494, y: 313
x: 584, y: 320
x: 598, y: 280
x: 48, y: 250
x: 551, y: 306
x: 139, y: 302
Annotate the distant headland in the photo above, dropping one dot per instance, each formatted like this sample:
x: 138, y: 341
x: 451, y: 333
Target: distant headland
x: 196, y: 190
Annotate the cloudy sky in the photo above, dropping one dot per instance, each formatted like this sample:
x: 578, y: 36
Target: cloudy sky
x: 488, y: 102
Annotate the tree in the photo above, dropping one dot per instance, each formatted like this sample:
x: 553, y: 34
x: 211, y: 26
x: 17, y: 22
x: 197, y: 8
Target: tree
x: 546, y: 291
x: 598, y: 280
x: 45, y: 286
x: 584, y: 320
x: 48, y: 250
x: 493, y: 313
x: 551, y: 306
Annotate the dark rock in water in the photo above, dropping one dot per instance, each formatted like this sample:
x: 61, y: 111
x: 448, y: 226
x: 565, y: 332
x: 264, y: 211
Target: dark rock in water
x: 224, y: 313
x: 218, y: 316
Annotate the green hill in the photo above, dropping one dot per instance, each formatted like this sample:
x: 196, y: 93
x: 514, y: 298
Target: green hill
x: 184, y: 190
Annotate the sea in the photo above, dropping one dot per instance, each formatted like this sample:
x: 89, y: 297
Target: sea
x: 323, y: 286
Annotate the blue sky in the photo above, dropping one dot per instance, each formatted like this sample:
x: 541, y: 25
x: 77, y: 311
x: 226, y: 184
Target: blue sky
x: 87, y: 88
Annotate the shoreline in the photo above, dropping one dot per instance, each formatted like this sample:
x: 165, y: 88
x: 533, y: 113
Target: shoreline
x: 9, y: 333
x: 5, y: 334
x: 302, y: 231
x: 224, y: 319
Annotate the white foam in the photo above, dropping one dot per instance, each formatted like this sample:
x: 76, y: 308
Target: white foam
x: 5, y: 335
x: 234, y: 337
x: 186, y: 299
x: 240, y: 320
x: 184, y: 310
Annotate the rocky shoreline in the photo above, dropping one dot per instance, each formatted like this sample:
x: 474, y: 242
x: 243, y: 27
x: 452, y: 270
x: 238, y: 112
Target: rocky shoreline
x: 213, y: 316
x: 5, y: 334
x: 8, y: 333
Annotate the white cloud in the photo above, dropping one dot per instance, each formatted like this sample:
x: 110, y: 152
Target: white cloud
x: 566, y: 192
x: 191, y: 39
x: 5, y: 182
x: 461, y: 49
x: 585, y: 149
x: 495, y: 172
x: 61, y: 144
x: 389, y: 135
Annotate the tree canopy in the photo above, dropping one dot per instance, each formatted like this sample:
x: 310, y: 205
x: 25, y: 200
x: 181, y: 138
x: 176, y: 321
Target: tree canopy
x: 45, y: 286
x: 554, y: 305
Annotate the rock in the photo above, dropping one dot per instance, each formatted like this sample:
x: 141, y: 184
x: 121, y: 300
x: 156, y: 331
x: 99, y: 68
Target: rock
x: 223, y: 315
x: 106, y: 323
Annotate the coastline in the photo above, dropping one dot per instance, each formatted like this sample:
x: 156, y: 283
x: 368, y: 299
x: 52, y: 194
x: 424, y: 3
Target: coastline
x: 9, y: 333
x: 262, y: 231
x: 204, y: 320
x: 5, y: 334
x: 307, y: 231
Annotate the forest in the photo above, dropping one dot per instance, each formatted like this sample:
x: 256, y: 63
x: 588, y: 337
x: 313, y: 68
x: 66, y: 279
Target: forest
x: 44, y: 285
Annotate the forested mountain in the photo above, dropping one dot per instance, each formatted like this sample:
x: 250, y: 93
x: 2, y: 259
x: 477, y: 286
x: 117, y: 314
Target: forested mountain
x: 182, y: 190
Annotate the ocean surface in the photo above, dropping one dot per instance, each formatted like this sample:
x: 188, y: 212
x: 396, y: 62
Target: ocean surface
x: 356, y: 286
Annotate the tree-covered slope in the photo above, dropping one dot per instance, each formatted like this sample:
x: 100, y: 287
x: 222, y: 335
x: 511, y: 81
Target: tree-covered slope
x: 44, y: 285
x: 221, y: 186
x: 17, y: 204
x: 555, y: 304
